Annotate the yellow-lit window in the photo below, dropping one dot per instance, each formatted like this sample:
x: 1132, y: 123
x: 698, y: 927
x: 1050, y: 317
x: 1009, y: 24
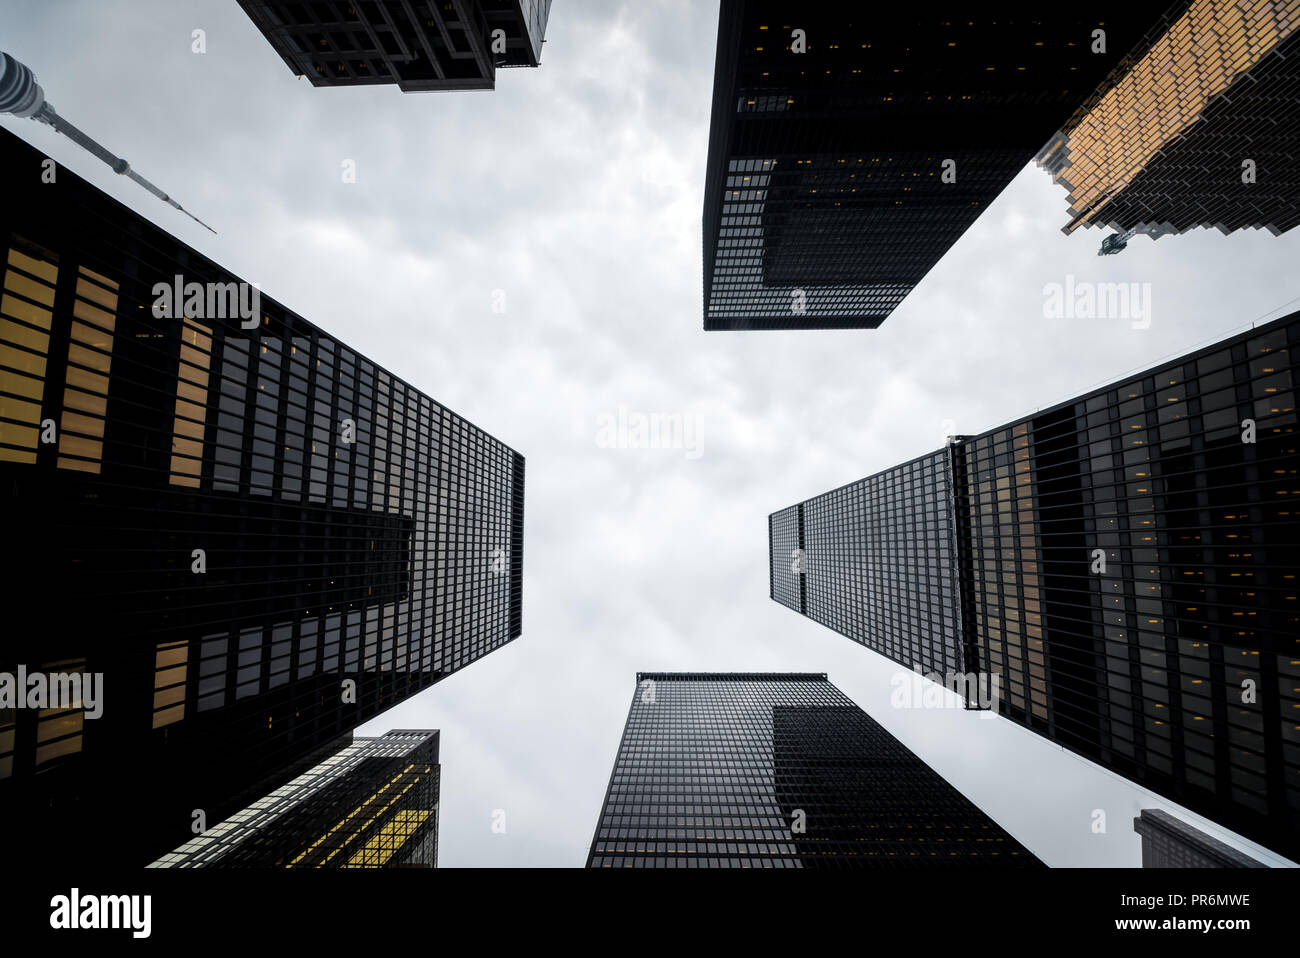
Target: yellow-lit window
x: 191, y: 404
x: 59, y: 727
x: 170, y: 666
x: 384, y: 844
x: 90, y: 353
x: 26, y: 306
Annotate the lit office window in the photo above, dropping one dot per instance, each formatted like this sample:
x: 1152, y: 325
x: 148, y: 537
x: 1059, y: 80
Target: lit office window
x: 171, y: 664
x: 191, y: 404
x: 90, y: 352
x: 26, y: 308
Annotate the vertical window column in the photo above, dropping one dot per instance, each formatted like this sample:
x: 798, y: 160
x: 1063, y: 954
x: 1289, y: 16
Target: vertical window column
x: 188, y: 431
x: 90, y: 354
x: 26, y: 311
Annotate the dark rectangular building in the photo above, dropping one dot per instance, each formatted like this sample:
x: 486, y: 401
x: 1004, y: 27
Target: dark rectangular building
x: 374, y: 804
x: 883, y: 571
x: 1199, y: 127
x: 259, y: 538
x: 851, y: 146
x: 779, y: 770
x: 1168, y: 842
x: 451, y: 45
x: 1123, y: 564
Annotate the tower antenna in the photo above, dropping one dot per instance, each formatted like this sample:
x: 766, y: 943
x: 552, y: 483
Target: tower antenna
x: 21, y: 95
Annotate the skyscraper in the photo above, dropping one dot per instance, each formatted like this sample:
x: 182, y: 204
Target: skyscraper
x: 457, y: 45
x: 1124, y: 564
x: 1168, y: 842
x: 778, y: 770
x: 1199, y: 127
x: 248, y: 537
x: 374, y: 804
x: 851, y: 147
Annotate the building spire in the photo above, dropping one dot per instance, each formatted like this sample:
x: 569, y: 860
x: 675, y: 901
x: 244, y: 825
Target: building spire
x: 21, y: 95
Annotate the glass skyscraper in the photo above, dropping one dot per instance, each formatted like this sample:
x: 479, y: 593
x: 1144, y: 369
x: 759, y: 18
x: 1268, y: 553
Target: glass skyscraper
x: 259, y: 538
x: 1123, y: 563
x: 779, y: 770
x: 1168, y: 842
x: 374, y: 804
x: 884, y: 572
x: 1198, y: 128
x: 422, y: 46
x: 850, y: 147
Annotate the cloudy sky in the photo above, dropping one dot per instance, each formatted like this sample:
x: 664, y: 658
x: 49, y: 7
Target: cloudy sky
x: 572, y: 196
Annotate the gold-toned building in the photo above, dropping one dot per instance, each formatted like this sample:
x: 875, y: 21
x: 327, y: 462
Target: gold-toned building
x: 1198, y: 126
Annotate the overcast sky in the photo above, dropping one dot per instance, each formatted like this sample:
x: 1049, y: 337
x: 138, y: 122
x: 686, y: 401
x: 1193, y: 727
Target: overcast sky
x: 575, y: 190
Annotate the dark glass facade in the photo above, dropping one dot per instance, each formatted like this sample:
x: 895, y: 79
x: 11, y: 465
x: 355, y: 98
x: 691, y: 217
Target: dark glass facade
x: 826, y: 199
x: 374, y: 804
x: 1124, y: 563
x: 1163, y: 145
x: 418, y: 46
x: 258, y: 537
x: 1168, y: 842
x: 877, y: 563
x: 779, y: 770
